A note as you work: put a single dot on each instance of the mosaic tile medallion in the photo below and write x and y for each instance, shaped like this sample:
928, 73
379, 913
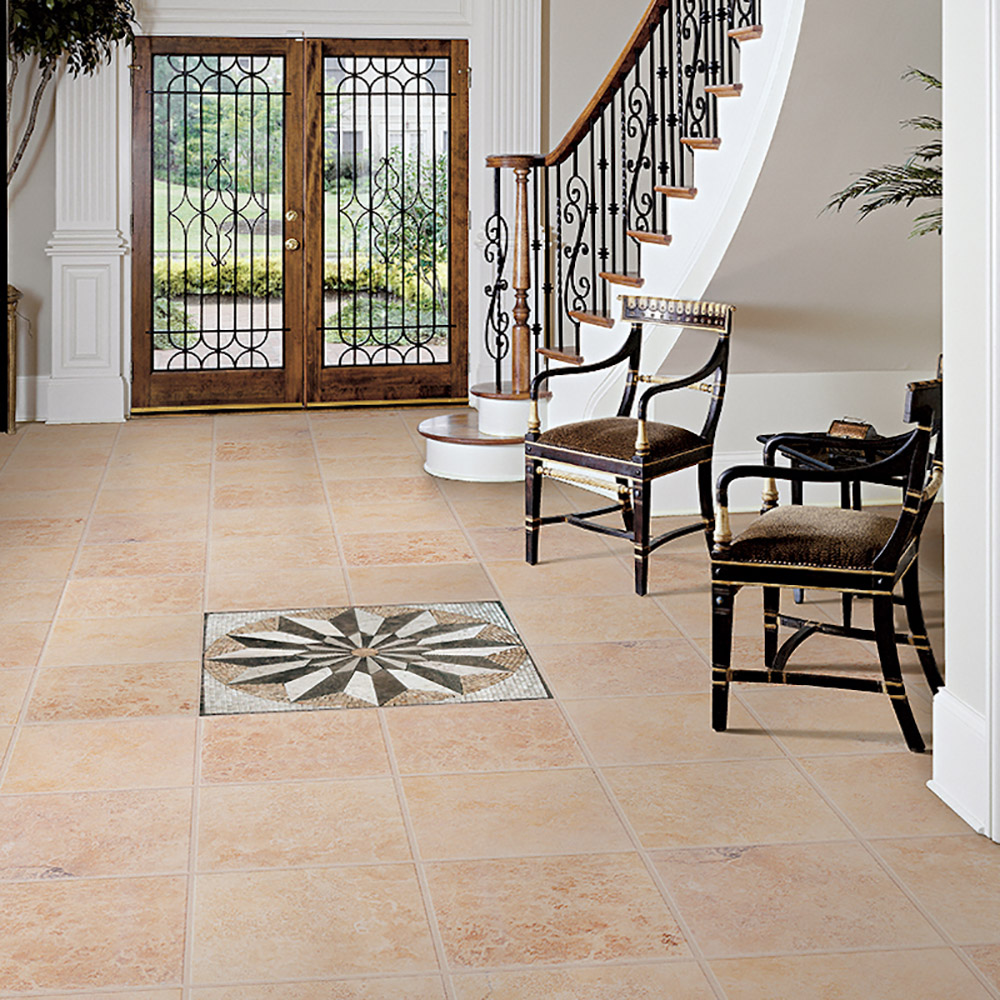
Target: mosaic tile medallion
363, 657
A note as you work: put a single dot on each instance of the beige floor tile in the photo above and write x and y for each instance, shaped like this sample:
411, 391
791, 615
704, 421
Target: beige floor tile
16, 503
81, 642
53, 456
88, 834
557, 543
673, 980
284, 449
506, 512
335, 823
153, 499
65, 476
280, 522
501, 815
39, 436
36, 562
6, 736
41, 530
373, 466
427, 583
885, 795
253, 426
826, 721
588, 619
497, 736
987, 959
653, 666
720, 804
424, 516
926, 974
956, 878
278, 473
527, 911
152, 451
250, 496
393, 548
89, 756
279, 746
336, 424
692, 612
288, 588
139, 994
124, 475
402, 988
272, 553
131, 559
29, 600
799, 897
309, 923
402, 490
594, 575
660, 728
116, 691
13, 688
482, 493
133, 597
69, 934
360, 448
22, 643
172, 527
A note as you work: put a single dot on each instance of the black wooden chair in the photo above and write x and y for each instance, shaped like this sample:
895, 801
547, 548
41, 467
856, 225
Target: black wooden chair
867, 552
630, 451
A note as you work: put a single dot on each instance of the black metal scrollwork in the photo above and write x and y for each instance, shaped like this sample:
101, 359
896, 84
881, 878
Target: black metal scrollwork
497, 318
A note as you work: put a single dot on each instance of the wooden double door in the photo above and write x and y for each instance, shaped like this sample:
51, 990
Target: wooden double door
300, 222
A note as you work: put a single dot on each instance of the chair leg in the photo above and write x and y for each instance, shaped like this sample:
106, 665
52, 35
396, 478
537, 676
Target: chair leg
798, 594
885, 638
772, 604
847, 608
640, 534
532, 509
706, 501
628, 518
915, 619
722, 650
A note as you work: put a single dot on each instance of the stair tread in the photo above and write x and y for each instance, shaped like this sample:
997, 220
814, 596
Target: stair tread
746, 34
593, 319
570, 359
462, 428
661, 239
676, 192
488, 390
631, 278
725, 89
701, 142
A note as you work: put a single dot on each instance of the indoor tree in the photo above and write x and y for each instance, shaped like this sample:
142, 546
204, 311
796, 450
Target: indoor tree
78, 33
918, 177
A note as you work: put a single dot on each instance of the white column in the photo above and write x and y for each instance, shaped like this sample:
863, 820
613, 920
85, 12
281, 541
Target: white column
967, 709
88, 249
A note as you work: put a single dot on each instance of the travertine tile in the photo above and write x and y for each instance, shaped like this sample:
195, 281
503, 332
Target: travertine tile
925, 974
126, 753
87, 834
80, 642
127, 475
498, 736
594, 575
669, 727
402, 988
956, 878
126, 528
987, 959
272, 553
444, 583
34, 504
154, 499
499, 815
580, 619
333, 743
422, 516
640, 667
130, 559
791, 897
406, 547
557, 543
251, 496
36, 562
527, 911
68, 475
22, 643
133, 596
290, 588
71, 934
335, 822
29, 600
309, 923
673, 980
13, 688
885, 795
715, 804
41, 530
402, 490
283, 522
116, 691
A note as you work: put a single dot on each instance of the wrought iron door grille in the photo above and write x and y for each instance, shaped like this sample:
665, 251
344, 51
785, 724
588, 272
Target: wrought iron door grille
386, 210
218, 125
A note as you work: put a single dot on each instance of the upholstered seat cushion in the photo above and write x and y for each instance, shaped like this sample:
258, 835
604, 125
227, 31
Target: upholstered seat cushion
813, 536
614, 437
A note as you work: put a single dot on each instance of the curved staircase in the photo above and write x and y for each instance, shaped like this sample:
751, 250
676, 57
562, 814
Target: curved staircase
585, 214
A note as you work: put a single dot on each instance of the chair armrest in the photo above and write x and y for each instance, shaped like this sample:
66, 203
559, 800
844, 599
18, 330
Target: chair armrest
786, 444
707, 369
622, 354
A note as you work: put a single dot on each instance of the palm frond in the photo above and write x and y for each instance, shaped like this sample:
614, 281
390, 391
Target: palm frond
928, 222
927, 79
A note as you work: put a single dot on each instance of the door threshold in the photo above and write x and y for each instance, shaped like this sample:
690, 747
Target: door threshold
143, 411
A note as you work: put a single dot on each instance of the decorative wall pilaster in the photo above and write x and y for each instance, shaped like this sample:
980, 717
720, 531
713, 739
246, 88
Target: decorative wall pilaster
88, 250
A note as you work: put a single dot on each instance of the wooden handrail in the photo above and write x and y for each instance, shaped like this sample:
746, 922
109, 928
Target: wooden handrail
605, 93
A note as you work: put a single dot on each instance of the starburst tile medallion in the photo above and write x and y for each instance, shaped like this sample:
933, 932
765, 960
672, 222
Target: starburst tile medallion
274, 661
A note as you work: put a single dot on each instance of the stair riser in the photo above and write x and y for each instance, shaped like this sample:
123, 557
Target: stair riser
475, 463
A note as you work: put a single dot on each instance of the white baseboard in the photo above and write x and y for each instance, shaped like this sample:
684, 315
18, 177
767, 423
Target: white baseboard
32, 402
99, 399
961, 760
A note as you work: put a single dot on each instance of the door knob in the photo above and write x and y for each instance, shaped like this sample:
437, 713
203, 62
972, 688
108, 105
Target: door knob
291, 244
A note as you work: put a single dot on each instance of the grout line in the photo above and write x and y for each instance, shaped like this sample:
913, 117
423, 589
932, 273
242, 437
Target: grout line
36, 668
418, 862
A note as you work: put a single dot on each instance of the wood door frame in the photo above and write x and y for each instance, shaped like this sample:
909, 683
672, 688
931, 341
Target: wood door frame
250, 387
342, 385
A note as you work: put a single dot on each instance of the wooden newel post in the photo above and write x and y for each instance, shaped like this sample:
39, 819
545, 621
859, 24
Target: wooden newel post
521, 283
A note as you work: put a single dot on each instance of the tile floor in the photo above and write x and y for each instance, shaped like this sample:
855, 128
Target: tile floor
605, 844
